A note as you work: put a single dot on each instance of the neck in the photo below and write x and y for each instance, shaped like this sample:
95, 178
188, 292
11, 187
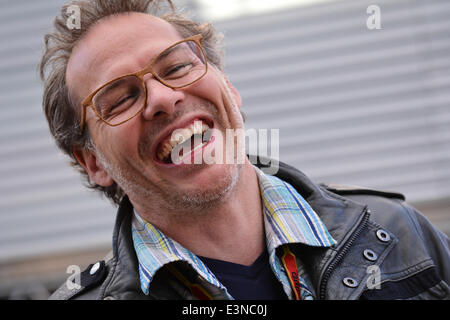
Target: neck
232, 230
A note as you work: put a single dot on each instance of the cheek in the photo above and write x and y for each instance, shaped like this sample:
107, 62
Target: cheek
118, 143
223, 95
213, 89
126, 143
208, 88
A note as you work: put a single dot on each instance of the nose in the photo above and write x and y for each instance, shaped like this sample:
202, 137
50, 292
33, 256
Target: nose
160, 99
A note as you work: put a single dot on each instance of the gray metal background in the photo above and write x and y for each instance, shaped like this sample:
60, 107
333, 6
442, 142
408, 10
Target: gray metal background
358, 106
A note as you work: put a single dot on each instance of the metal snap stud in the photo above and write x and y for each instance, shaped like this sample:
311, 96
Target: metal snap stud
94, 268
370, 255
350, 282
383, 235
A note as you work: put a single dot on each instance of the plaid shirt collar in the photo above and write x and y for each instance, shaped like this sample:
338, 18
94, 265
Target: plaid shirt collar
288, 218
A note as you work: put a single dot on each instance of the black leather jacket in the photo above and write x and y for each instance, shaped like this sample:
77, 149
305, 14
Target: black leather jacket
386, 250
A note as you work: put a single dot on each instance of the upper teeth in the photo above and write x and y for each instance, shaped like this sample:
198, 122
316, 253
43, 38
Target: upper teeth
180, 135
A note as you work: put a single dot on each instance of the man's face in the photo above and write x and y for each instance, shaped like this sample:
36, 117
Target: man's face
128, 153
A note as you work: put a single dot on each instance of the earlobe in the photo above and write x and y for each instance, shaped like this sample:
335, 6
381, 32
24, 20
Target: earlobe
89, 161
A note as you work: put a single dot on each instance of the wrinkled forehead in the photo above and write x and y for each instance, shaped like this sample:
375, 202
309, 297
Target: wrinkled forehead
115, 46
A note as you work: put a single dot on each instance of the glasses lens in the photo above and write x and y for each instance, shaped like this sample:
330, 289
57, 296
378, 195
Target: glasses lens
120, 100
180, 65
177, 67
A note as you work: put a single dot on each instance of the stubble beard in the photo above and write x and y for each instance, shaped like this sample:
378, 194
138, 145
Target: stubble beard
165, 198
200, 200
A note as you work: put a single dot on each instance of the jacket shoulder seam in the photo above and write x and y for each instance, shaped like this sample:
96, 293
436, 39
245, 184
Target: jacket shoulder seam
414, 221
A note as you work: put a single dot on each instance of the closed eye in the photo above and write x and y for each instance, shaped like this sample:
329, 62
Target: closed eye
123, 103
179, 70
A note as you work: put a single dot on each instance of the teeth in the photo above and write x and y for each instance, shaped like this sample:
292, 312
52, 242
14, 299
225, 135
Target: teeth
186, 133
196, 127
167, 147
178, 136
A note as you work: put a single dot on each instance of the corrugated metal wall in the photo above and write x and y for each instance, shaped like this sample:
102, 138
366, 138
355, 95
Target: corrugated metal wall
359, 106
43, 206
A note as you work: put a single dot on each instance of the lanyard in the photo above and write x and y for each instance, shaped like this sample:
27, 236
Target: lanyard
196, 290
290, 265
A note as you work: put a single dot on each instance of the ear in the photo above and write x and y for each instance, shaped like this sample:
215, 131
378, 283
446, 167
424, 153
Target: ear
89, 161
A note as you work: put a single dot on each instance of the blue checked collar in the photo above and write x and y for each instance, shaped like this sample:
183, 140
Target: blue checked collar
154, 250
288, 218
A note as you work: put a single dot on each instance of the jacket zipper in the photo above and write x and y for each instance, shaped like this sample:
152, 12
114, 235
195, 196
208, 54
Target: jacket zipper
342, 253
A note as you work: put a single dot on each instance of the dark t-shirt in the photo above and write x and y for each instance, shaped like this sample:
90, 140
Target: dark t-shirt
254, 282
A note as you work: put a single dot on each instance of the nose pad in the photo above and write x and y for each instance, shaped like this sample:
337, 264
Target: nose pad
160, 99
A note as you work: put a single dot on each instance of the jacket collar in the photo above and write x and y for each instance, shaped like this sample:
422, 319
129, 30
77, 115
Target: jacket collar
339, 215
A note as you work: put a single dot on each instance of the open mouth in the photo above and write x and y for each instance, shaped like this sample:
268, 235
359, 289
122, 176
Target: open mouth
182, 141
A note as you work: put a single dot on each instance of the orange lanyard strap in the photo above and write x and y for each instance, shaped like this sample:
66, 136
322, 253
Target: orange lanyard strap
196, 290
290, 265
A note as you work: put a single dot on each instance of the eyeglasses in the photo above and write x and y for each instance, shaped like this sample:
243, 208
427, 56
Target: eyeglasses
123, 98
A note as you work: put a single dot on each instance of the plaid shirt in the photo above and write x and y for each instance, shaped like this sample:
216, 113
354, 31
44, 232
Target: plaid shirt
288, 218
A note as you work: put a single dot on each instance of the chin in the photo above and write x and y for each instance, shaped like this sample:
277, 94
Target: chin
209, 190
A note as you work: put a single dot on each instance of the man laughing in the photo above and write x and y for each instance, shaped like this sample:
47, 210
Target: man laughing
134, 98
